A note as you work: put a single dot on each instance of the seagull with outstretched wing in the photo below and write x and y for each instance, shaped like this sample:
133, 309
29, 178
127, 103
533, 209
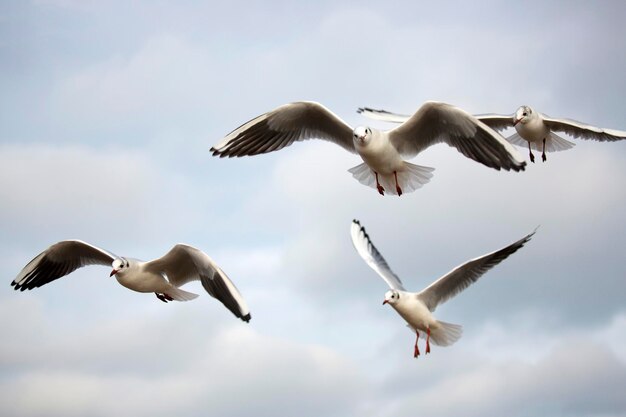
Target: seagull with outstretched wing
534, 129
383, 152
162, 276
416, 307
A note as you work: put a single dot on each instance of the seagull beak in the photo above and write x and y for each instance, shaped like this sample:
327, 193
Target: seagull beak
385, 302
113, 272
516, 121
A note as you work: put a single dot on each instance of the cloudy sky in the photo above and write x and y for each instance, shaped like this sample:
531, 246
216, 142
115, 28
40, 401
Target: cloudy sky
107, 113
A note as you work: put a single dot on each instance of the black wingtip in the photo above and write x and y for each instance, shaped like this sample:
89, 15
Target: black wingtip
360, 110
246, 318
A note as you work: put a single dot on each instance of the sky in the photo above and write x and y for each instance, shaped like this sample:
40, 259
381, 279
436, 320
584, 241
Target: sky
108, 111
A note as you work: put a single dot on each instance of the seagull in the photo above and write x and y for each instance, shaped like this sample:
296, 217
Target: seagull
162, 276
533, 129
416, 307
383, 152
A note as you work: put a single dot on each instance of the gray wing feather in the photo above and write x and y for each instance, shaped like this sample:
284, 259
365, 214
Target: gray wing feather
583, 131
367, 250
464, 275
184, 263
496, 121
440, 122
59, 260
283, 126
384, 115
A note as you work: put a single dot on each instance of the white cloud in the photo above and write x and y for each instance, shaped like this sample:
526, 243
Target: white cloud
86, 193
176, 362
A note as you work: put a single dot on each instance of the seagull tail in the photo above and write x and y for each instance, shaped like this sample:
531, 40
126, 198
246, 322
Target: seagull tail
516, 139
181, 295
410, 178
554, 143
445, 334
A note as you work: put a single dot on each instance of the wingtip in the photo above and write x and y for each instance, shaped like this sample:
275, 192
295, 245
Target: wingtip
247, 318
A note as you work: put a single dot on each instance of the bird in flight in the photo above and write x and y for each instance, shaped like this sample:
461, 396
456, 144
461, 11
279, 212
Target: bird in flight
383, 152
533, 129
162, 276
416, 308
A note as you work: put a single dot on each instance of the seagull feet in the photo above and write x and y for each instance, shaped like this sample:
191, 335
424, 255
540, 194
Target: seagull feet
379, 187
428, 342
543, 151
398, 189
543, 157
416, 350
532, 158
163, 297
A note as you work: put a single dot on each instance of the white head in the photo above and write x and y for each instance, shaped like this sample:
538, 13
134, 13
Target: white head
391, 297
523, 115
361, 135
120, 265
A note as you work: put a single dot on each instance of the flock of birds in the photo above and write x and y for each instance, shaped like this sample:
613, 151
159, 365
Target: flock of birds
384, 167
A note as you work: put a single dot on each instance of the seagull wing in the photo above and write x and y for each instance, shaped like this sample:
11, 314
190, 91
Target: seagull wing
440, 122
384, 115
582, 130
496, 121
184, 263
464, 275
59, 260
282, 127
367, 250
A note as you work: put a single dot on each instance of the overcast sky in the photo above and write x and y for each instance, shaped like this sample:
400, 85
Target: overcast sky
107, 114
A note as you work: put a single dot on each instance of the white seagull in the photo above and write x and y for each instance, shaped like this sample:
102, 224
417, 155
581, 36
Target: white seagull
162, 276
383, 152
416, 307
534, 129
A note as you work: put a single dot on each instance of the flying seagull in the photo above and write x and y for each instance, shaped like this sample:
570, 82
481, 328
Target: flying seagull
383, 152
534, 129
162, 276
416, 307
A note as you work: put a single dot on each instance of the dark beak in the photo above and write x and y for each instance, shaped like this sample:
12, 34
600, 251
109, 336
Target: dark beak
113, 272
385, 302
516, 122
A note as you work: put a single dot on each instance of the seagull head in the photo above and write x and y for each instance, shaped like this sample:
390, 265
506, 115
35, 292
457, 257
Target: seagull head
361, 135
119, 265
522, 115
391, 297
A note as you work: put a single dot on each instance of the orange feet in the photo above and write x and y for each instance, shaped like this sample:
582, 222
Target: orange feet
398, 189
416, 351
379, 187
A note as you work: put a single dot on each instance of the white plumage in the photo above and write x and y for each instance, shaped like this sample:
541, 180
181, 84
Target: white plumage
416, 307
382, 152
534, 130
162, 276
